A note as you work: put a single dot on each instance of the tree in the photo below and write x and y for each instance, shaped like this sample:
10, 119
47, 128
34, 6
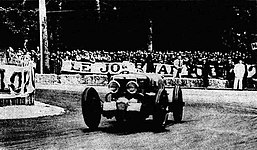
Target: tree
20, 21
240, 34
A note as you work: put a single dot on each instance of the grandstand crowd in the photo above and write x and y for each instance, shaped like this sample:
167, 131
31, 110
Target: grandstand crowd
140, 56
221, 61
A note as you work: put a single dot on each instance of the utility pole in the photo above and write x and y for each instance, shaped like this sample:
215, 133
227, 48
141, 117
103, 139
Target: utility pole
150, 37
43, 45
98, 8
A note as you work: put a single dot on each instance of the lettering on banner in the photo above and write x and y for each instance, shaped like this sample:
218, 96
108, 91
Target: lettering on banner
155, 68
112, 68
15, 81
83, 67
19, 81
33, 80
28, 81
75, 66
171, 69
163, 70
115, 69
86, 67
106, 69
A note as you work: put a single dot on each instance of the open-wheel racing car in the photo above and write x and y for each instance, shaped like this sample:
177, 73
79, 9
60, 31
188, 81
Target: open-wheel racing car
133, 97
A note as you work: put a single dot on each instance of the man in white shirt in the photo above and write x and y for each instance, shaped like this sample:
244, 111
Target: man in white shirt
239, 71
177, 67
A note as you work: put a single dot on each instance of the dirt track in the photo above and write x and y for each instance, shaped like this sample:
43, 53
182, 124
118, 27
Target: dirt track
206, 125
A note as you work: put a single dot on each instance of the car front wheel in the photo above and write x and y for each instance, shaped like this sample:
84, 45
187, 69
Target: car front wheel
91, 107
160, 110
177, 104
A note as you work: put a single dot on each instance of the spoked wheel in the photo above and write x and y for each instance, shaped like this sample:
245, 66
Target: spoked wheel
91, 107
177, 104
160, 111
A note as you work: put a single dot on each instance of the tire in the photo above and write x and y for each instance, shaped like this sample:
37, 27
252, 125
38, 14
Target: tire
160, 112
177, 104
91, 108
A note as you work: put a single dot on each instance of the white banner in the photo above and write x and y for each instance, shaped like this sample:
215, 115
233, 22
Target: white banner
97, 68
118, 67
16, 79
114, 67
166, 69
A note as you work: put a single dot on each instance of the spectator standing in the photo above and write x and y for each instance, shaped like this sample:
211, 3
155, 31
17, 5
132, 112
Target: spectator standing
190, 67
245, 79
205, 72
254, 77
149, 64
177, 67
58, 64
239, 71
52, 62
219, 68
198, 68
36, 59
9, 54
229, 68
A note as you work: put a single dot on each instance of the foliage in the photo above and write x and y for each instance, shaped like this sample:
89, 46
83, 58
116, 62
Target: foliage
241, 32
19, 20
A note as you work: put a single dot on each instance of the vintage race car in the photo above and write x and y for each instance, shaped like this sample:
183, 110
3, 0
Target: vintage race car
133, 97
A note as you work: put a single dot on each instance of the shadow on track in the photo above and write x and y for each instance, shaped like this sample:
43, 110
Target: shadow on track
126, 128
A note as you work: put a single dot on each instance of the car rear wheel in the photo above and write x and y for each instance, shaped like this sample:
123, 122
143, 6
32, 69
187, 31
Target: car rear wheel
160, 110
177, 104
91, 108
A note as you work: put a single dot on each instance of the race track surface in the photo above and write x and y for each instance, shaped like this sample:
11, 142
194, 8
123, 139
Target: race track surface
220, 120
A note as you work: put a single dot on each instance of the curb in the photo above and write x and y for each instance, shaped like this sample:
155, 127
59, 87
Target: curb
33, 111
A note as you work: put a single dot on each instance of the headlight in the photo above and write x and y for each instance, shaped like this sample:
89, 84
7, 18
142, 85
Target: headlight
114, 86
132, 87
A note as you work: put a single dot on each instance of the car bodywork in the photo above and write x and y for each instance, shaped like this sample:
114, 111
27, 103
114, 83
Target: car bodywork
133, 97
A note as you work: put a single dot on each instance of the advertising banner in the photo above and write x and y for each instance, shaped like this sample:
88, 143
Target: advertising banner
118, 67
166, 69
97, 68
114, 67
17, 80
17, 85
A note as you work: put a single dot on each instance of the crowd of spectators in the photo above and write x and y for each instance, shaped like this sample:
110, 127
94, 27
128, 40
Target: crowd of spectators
20, 56
140, 56
221, 61
191, 58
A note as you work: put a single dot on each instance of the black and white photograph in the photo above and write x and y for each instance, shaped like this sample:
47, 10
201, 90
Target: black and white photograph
128, 74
